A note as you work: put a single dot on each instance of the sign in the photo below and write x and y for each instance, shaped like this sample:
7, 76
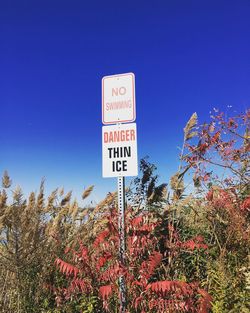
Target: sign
119, 150
118, 98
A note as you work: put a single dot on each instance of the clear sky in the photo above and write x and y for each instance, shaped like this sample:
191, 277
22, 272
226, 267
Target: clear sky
186, 55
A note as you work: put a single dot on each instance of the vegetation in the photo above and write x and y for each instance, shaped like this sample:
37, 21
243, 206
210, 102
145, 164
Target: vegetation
187, 243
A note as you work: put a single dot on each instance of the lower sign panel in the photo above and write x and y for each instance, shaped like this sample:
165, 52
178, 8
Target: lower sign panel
119, 150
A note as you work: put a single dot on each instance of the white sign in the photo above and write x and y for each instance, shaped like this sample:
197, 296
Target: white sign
119, 150
118, 98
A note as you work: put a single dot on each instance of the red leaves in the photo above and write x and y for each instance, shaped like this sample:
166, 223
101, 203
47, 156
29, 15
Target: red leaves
166, 286
154, 261
161, 287
219, 198
195, 243
111, 273
202, 148
149, 266
137, 302
145, 229
209, 195
81, 285
97, 269
204, 301
101, 261
137, 221
245, 206
216, 137
66, 268
141, 235
182, 293
84, 253
232, 123
224, 143
105, 291
147, 274
101, 238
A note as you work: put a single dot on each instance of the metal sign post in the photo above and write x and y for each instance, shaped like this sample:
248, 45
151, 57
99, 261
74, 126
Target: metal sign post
122, 245
119, 149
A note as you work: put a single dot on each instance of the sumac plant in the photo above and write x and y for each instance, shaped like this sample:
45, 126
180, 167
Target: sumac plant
221, 163
169, 266
94, 270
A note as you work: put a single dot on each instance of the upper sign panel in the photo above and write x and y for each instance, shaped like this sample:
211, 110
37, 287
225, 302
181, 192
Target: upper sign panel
118, 98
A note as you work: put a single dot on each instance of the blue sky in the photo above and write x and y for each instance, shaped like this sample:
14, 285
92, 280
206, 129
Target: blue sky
187, 56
